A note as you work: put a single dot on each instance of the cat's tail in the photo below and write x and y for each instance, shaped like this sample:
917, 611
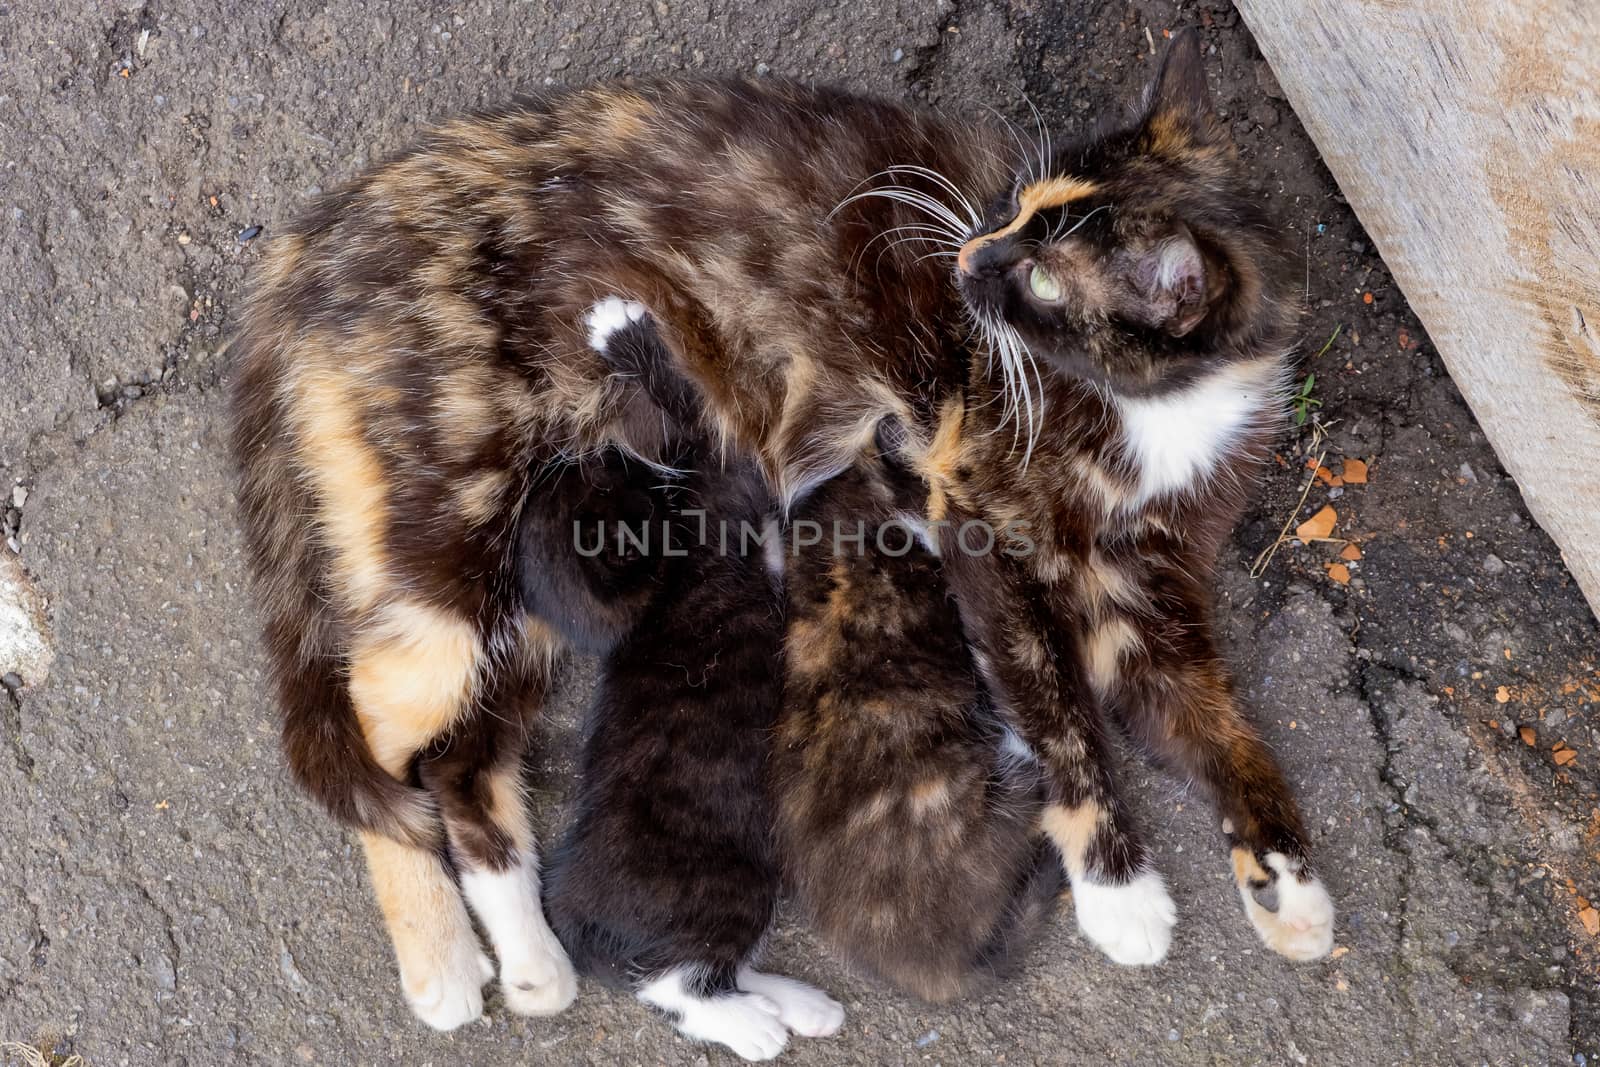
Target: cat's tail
329, 758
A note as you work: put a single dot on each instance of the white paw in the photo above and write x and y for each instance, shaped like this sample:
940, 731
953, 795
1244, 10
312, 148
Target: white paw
540, 982
804, 1009
1131, 923
1302, 926
451, 995
748, 1023
608, 316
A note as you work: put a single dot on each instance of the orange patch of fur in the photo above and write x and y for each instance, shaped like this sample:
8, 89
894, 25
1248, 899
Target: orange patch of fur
411, 680
1072, 830
1034, 198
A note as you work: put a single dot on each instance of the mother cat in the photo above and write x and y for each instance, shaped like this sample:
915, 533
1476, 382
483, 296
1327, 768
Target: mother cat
415, 348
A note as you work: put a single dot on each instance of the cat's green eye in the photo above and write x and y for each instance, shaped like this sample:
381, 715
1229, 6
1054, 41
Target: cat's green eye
1043, 286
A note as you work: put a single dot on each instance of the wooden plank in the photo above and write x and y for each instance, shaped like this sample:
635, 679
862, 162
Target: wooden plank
1467, 137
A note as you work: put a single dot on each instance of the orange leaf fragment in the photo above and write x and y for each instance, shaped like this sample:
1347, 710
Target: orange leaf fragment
1590, 920
1341, 950
1565, 756
1527, 735
1352, 552
1502, 695
1354, 472
1366, 298
1318, 525
1339, 573
1324, 475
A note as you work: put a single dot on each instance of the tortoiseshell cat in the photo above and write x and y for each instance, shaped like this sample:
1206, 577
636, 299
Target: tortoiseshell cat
666, 879
1165, 338
414, 352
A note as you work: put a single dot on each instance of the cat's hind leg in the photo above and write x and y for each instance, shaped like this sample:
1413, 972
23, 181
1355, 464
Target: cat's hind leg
476, 774
442, 968
409, 684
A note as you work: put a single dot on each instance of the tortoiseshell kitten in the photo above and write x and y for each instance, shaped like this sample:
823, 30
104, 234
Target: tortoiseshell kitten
908, 814
414, 352
666, 879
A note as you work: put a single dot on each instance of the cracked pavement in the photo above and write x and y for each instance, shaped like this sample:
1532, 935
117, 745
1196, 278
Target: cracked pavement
167, 898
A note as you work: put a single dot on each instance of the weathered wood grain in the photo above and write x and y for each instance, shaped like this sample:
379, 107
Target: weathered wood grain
1467, 137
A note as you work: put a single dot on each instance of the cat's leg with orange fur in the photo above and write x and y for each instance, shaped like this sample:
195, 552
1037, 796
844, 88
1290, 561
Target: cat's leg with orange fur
411, 681
476, 775
1120, 898
1172, 690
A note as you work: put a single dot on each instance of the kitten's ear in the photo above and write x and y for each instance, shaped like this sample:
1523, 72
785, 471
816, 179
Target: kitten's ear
1173, 285
1178, 113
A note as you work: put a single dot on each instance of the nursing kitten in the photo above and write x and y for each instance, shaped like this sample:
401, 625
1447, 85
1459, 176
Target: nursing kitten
908, 820
665, 881
414, 353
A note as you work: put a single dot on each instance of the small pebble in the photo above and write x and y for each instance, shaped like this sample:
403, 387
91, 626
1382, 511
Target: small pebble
19, 496
248, 234
1469, 475
927, 1039
184, 238
561, 61
897, 55
1173, 1035
1555, 717
762, 70
1493, 564
12, 681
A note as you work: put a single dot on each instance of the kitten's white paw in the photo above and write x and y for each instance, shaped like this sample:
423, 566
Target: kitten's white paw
1301, 928
747, 1023
1131, 923
450, 994
539, 982
608, 316
804, 1009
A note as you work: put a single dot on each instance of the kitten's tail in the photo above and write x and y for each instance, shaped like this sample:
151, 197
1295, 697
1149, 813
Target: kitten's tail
1037, 890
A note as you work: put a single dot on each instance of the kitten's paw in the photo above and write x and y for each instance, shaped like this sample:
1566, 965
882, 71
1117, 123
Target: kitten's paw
1131, 923
1288, 906
608, 316
539, 982
748, 1023
450, 994
804, 1009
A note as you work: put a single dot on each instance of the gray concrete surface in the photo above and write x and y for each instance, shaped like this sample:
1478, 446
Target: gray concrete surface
167, 898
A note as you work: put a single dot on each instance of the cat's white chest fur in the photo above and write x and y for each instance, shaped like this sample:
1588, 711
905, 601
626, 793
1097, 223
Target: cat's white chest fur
1178, 441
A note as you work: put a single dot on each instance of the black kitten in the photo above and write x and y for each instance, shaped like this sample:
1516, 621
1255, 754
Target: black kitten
667, 879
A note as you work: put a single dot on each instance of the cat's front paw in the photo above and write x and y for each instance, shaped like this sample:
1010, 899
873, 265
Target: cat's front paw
447, 991
1287, 904
610, 316
1132, 922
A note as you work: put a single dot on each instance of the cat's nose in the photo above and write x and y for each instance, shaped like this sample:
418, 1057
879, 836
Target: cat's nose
986, 256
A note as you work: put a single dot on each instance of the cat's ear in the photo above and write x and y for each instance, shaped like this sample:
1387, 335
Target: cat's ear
1172, 283
1178, 115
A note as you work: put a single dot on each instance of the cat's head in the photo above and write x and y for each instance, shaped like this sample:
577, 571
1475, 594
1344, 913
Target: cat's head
1138, 258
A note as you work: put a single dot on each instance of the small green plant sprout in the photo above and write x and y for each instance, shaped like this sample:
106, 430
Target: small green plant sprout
1304, 402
